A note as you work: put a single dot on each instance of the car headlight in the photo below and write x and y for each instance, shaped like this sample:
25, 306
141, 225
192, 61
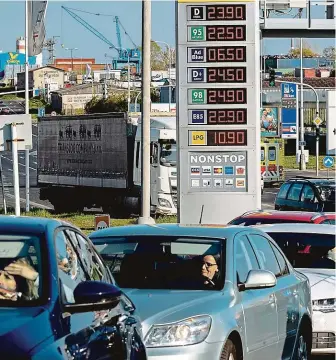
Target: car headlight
185, 332
324, 305
164, 203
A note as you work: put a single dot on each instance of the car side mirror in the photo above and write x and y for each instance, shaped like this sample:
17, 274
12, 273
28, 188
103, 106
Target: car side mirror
94, 296
259, 279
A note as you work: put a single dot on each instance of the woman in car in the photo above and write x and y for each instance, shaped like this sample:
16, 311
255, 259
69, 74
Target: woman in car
19, 281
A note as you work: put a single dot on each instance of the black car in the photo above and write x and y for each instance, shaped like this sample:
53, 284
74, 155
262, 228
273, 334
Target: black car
306, 194
57, 298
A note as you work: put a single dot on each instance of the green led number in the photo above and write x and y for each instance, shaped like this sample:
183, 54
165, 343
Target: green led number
197, 33
197, 96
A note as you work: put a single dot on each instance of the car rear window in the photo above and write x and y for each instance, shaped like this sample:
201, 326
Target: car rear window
307, 250
167, 262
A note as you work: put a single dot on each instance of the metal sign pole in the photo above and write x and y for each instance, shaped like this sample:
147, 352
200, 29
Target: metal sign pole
317, 151
15, 169
3, 187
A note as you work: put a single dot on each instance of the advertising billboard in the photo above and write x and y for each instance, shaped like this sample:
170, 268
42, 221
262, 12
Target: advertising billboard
269, 122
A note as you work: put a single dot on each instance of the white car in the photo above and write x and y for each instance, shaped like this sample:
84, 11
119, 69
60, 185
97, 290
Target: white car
310, 248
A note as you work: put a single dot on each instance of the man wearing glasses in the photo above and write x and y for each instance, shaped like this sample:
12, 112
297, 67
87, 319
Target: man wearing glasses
209, 271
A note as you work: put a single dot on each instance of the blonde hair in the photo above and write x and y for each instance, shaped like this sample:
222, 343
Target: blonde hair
29, 289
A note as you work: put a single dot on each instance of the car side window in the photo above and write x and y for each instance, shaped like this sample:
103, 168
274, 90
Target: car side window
245, 258
307, 193
92, 263
294, 192
265, 253
283, 191
281, 261
70, 272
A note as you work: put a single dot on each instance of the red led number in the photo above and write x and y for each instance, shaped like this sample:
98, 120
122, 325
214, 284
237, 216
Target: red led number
226, 12
226, 96
225, 32
227, 138
223, 75
227, 116
226, 53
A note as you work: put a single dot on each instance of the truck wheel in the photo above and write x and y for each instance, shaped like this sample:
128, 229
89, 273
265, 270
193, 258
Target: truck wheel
230, 352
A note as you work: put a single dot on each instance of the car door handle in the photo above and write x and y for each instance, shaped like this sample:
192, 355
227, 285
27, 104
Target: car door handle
271, 300
295, 293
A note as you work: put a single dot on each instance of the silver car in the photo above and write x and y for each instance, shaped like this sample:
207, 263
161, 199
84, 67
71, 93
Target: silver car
311, 249
208, 292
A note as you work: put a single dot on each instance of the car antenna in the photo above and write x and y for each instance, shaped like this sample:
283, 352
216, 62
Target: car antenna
200, 221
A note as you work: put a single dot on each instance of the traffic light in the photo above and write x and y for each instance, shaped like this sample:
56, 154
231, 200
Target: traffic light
271, 80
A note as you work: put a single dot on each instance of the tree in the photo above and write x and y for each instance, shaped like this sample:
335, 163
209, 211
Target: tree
160, 57
329, 52
306, 52
116, 102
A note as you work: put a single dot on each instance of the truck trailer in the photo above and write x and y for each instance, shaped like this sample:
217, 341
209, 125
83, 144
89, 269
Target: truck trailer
94, 161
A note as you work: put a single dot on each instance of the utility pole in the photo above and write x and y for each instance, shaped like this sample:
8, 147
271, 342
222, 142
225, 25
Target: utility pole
71, 54
50, 46
27, 15
145, 217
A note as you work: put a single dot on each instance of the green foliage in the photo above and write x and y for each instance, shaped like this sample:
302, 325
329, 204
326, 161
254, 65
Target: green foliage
116, 102
160, 57
306, 52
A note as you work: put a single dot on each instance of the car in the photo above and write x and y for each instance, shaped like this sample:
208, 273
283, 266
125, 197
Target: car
306, 194
258, 217
311, 250
207, 292
57, 299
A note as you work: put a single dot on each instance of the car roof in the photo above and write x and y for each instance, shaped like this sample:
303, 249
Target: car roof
315, 181
298, 228
29, 224
276, 214
220, 231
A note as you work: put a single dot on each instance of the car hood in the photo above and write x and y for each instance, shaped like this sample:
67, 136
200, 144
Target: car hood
164, 306
22, 329
322, 282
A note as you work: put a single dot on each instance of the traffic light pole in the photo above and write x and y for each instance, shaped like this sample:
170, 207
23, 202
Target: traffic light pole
302, 123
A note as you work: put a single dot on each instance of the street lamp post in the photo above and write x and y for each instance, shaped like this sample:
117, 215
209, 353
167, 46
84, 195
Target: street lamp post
169, 74
128, 76
71, 51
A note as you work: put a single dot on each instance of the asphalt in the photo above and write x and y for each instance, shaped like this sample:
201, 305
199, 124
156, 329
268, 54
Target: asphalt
7, 164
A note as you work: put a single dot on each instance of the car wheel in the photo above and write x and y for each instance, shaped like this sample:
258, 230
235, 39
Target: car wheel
302, 349
230, 352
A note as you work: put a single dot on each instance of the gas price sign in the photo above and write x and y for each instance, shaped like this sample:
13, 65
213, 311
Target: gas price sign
218, 109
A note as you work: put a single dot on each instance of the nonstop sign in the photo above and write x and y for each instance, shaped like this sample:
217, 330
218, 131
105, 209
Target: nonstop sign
218, 109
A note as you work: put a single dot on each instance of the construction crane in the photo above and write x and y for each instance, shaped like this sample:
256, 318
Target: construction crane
133, 54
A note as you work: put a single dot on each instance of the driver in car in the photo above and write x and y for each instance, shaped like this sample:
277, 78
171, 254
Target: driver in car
209, 271
19, 280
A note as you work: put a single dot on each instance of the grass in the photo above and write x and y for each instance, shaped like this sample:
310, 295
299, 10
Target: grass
86, 221
290, 163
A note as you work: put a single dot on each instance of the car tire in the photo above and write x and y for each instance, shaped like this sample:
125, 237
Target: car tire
302, 350
230, 351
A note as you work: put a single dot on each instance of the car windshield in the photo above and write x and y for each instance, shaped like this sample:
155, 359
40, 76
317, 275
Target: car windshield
307, 250
168, 154
259, 221
20, 268
151, 262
